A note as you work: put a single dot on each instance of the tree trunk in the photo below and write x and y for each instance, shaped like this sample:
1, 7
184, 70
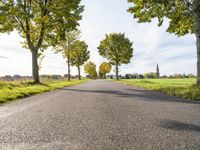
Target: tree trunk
198, 57
68, 66
35, 67
79, 73
196, 12
117, 70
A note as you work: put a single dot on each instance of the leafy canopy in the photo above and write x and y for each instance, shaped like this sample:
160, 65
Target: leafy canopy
40, 22
65, 46
105, 68
116, 48
178, 12
79, 54
90, 68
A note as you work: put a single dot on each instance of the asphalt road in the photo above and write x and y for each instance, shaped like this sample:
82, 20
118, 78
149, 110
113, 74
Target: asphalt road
100, 115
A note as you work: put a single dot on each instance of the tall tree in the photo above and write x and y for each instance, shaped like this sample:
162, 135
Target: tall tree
117, 49
64, 46
39, 22
183, 16
104, 69
79, 55
90, 68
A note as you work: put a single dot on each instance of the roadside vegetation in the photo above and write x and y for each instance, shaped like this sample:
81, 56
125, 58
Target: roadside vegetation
12, 90
183, 88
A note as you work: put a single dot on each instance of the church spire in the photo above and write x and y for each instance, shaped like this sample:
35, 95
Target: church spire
157, 71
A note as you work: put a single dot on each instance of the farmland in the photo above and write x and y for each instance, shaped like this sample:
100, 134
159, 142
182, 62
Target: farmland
183, 88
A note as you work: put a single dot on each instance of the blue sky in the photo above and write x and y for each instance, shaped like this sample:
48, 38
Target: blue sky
152, 45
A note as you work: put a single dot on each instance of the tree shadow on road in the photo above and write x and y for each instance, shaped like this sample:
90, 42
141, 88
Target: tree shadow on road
180, 126
140, 94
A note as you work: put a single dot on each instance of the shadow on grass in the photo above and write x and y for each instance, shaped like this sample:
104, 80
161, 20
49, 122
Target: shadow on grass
180, 126
140, 94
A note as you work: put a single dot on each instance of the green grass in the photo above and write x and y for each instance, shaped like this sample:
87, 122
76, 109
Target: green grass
183, 88
12, 90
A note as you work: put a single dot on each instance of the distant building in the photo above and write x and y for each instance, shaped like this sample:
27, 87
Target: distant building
157, 71
76, 76
7, 77
112, 76
87, 76
66, 76
55, 76
17, 76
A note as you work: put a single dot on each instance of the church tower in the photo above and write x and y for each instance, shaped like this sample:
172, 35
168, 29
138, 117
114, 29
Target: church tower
157, 71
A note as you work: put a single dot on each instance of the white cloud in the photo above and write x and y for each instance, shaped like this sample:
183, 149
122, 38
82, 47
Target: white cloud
152, 44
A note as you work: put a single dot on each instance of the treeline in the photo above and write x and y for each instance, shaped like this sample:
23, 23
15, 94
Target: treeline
154, 76
46, 24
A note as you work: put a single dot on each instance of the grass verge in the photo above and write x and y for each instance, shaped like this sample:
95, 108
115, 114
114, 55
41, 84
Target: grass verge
12, 90
183, 88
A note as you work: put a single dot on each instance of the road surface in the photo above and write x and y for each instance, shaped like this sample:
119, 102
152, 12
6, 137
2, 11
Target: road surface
100, 115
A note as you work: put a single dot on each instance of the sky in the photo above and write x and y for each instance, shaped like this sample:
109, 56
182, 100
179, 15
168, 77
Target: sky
152, 44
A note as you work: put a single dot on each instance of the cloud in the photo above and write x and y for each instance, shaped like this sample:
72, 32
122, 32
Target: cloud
13, 48
4, 57
152, 44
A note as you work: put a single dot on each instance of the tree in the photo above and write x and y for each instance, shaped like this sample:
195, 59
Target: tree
104, 69
101, 76
39, 23
183, 16
64, 46
90, 68
117, 49
151, 75
79, 55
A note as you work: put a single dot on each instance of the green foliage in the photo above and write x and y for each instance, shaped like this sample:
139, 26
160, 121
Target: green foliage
178, 12
101, 76
134, 76
104, 69
64, 46
11, 90
90, 69
150, 75
117, 49
184, 88
39, 21
79, 54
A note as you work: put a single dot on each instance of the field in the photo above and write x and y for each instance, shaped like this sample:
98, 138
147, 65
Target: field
12, 90
183, 88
